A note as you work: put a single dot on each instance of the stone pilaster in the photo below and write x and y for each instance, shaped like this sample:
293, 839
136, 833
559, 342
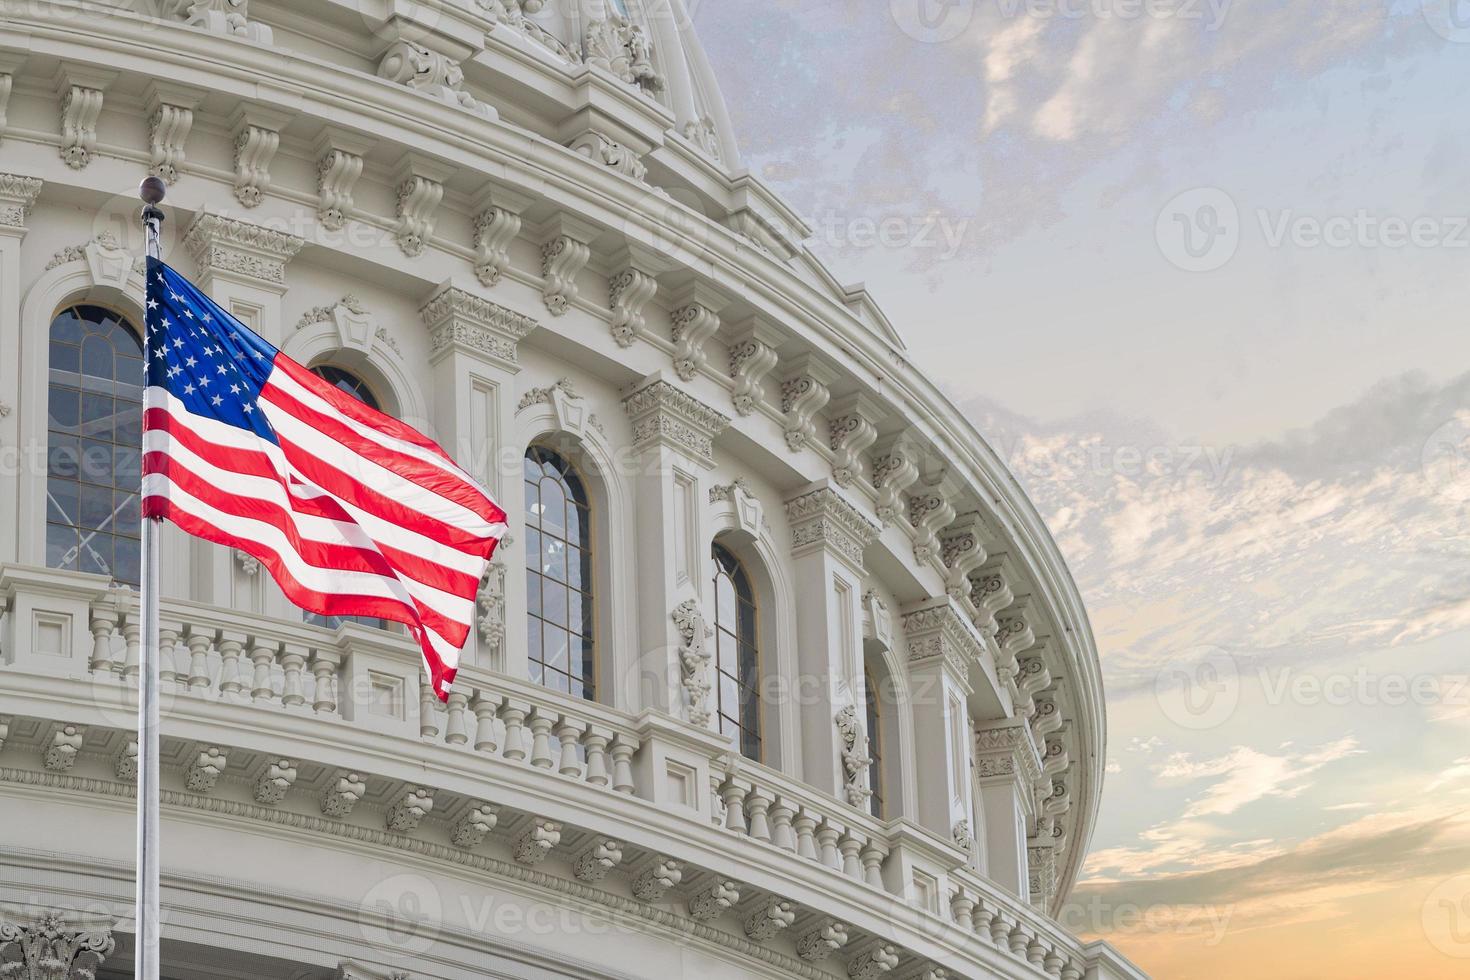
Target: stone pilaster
17, 196
1006, 770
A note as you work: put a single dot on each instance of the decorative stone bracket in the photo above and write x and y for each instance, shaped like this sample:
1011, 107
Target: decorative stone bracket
851, 423
420, 189
752, 356
81, 91
804, 393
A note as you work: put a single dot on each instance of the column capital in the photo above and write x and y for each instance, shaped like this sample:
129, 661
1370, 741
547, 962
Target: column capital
664, 415
458, 320
1005, 751
50, 942
939, 632
823, 518
17, 196
241, 250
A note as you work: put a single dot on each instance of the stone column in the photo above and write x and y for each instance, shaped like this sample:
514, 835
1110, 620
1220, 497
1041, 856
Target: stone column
1006, 769
942, 647
54, 945
17, 195
828, 537
242, 267
673, 443
473, 354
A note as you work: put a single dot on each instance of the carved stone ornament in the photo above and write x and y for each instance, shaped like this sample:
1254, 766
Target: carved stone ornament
618, 46
278, 776
714, 901
963, 839
769, 917
628, 293
227, 17
702, 133
874, 963
418, 203
824, 519
562, 259
51, 948
855, 757
432, 73
653, 884
694, 659
929, 512
663, 414
604, 150
894, 472
80, 107
411, 806
938, 631
694, 324
473, 826
821, 942
597, 859
537, 841
460, 320
342, 793
229, 245
17, 196
491, 599
751, 359
495, 229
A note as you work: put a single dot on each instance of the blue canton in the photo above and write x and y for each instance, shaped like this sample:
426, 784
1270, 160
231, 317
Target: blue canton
207, 359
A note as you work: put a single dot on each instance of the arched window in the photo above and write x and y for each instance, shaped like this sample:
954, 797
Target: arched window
357, 388
559, 640
737, 657
874, 721
94, 438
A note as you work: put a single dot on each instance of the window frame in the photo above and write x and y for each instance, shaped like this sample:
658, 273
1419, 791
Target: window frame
577, 492
757, 665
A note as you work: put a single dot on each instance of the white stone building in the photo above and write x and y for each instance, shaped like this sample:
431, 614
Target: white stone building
780, 674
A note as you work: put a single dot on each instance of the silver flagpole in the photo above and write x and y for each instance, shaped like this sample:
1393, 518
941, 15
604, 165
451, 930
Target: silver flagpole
145, 962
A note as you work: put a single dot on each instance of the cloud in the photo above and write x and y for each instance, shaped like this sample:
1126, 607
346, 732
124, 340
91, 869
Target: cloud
1245, 775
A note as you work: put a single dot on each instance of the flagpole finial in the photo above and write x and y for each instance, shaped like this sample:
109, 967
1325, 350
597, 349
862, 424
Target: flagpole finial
152, 190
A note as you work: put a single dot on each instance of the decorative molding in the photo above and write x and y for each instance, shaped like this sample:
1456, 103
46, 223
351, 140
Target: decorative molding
59, 752
604, 150
653, 883
278, 776
81, 90
562, 258
474, 825
823, 518
410, 807
989, 593
804, 393
693, 324
337, 173
420, 189
1005, 751
168, 131
249, 564
855, 758
229, 245
817, 944
929, 511
769, 917
963, 838
961, 552
665, 415
205, 769
936, 629
874, 963
752, 357
618, 46
495, 229
432, 73
537, 841
545, 396
703, 134
17, 196
628, 293
460, 320
342, 793
50, 947
599, 857
491, 602
1041, 873
877, 620
257, 138
852, 429
895, 469
226, 17
694, 658
105, 241
714, 900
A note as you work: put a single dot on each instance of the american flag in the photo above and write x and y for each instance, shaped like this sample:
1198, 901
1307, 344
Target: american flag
353, 512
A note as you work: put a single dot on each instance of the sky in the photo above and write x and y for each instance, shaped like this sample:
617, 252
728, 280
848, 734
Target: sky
1197, 269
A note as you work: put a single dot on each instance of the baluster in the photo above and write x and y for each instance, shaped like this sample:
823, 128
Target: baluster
454, 727
324, 666
104, 628
293, 662
716, 800
513, 713
485, 706
756, 805
733, 796
623, 748
1020, 938
595, 744
428, 711
850, 845
541, 722
231, 648
781, 833
200, 642
169, 675
874, 854
570, 733
262, 655
805, 824
984, 915
132, 632
827, 835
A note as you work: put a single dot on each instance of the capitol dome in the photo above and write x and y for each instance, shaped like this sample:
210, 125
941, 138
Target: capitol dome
778, 673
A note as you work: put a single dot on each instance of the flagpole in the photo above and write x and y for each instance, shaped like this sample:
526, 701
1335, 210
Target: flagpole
145, 961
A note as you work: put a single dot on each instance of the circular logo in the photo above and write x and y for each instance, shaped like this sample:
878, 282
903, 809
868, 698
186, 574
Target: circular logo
1446, 459
117, 227
1202, 691
402, 913
668, 220
1450, 19
932, 21
1199, 231
1446, 917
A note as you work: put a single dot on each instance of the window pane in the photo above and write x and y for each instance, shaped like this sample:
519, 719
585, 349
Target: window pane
554, 603
59, 544
533, 592
556, 553
554, 649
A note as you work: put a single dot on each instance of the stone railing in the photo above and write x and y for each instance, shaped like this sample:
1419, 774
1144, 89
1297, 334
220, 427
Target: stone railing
75, 643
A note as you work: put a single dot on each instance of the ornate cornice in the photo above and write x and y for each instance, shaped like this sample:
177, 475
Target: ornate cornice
459, 320
17, 196
665, 415
937, 629
824, 519
1004, 751
229, 245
